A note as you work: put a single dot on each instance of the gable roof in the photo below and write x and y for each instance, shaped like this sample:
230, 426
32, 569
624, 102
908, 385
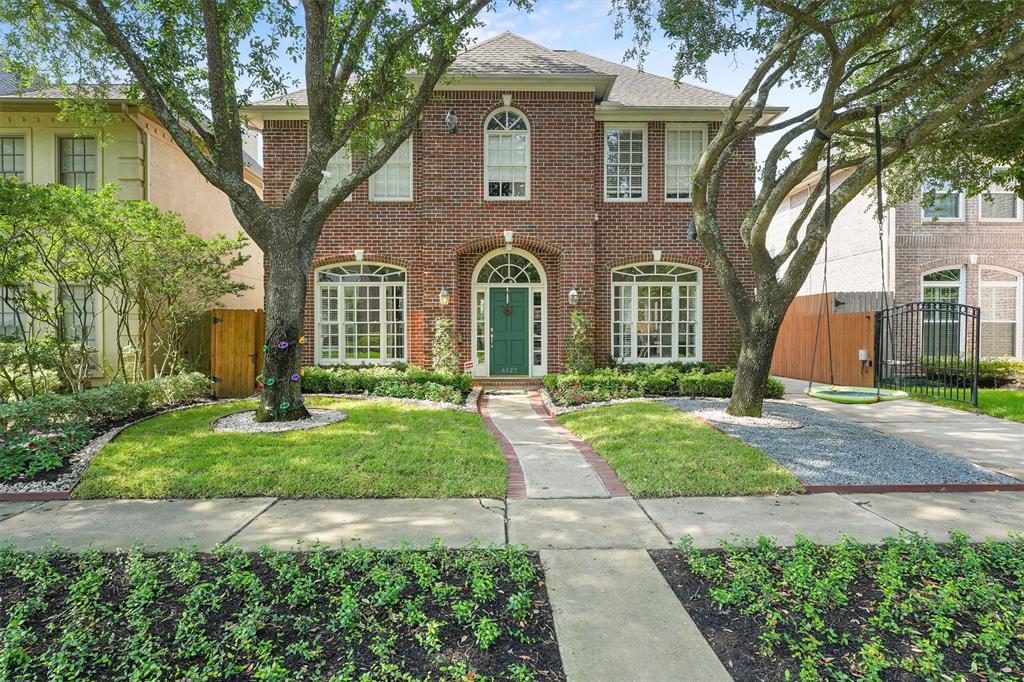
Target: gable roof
510, 55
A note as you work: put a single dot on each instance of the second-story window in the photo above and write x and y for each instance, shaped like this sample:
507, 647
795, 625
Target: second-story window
393, 182
1001, 203
507, 156
12, 157
338, 168
947, 203
625, 162
78, 162
684, 146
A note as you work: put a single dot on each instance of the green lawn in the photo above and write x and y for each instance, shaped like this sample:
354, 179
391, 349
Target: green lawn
1004, 403
384, 449
658, 451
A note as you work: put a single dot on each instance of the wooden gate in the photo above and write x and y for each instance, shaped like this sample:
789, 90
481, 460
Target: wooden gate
236, 340
851, 334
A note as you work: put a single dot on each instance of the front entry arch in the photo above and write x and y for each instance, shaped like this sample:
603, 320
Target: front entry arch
509, 315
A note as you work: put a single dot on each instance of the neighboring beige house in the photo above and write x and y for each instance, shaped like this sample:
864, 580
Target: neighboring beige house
137, 153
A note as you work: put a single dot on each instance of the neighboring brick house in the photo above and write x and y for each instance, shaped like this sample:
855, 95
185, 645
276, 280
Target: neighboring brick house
554, 190
958, 249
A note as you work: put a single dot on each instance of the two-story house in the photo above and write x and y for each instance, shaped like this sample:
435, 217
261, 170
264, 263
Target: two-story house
954, 248
536, 180
136, 152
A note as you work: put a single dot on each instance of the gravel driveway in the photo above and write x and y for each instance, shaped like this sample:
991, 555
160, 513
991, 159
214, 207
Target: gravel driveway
830, 451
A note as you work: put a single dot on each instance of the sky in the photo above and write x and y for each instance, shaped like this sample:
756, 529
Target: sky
585, 25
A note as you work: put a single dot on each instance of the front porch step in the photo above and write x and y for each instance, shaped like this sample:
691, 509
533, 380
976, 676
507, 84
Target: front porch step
507, 382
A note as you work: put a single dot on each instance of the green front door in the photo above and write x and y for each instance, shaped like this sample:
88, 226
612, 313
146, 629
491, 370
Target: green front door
510, 332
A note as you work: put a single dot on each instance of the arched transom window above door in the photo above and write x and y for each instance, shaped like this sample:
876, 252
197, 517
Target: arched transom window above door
507, 155
360, 314
509, 268
656, 313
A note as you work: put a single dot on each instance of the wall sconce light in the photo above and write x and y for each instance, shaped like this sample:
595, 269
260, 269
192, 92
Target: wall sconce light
451, 121
692, 234
974, 259
656, 255
445, 296
359, 254
509, 235
574, 296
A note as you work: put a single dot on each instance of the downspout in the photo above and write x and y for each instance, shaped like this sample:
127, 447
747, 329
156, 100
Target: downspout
147, 342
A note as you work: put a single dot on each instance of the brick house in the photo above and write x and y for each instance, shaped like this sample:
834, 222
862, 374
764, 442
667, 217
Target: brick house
956, 248
565, 182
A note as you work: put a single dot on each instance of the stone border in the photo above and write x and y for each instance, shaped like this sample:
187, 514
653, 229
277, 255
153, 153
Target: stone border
467, 405
60, 488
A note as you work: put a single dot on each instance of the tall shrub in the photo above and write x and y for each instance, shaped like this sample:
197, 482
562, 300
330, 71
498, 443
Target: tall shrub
579, 348
446, 341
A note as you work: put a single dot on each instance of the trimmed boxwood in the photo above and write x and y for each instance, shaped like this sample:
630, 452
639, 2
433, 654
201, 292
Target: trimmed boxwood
992, 372
719, 385
39, 433
394, 382
623, 381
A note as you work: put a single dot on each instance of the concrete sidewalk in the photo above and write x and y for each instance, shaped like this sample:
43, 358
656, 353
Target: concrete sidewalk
996, 444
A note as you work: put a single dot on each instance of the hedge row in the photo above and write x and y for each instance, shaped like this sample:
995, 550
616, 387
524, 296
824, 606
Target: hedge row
393, 382
39, 433
696, 379
992, 372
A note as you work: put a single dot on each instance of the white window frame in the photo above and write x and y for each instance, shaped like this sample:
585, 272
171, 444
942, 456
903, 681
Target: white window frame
372, 185
699, 312
487, 153
1018, 342
328, 184
59, 137
676, 127
961, 210
961, 287
342, 359
608, 127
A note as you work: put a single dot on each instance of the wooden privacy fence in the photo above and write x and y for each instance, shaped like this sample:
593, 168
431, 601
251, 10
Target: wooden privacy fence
236, 356
851, 333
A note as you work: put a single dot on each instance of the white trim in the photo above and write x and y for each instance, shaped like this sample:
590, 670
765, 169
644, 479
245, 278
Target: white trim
1018, 342
412, 175
529, 154
961, 297
699, 333
342, 360
604, 160
483, 369
671, 127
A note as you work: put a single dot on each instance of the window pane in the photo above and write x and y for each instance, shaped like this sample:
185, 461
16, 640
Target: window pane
683, 149
951, 275
12, 157
338, 168
625, 166
78, 162
393, 182
999, 206
944, 204
79, 320
10, 322
508, 156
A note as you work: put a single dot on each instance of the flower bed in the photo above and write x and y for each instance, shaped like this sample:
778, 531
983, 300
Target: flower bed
636, 381
40, 434
408, 382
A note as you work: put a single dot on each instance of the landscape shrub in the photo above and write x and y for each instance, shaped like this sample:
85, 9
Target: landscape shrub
571, 393
39, 433
623, 381
579, 348
993, 372
719, 385
395, 381
445, 349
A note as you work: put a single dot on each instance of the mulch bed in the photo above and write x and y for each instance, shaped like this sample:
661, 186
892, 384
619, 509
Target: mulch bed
442, 614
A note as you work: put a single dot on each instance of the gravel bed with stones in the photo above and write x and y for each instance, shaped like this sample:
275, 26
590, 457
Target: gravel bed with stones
830, 451
243, 422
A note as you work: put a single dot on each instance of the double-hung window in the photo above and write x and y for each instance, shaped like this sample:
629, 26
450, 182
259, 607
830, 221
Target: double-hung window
684, 146
1001, 310
77, 162
12, 156
338, 168
656, 313
10, 317
79, 321
360, 314
625, 162
393, 182
941, 201
999, 203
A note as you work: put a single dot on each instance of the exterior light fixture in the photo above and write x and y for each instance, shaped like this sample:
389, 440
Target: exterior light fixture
574, 296
359, 254
509, 234
445, 296
692, 234
451, 121
656, 255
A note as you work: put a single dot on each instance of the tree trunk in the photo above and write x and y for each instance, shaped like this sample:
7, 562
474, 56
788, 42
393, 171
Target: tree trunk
757, 345
283, 342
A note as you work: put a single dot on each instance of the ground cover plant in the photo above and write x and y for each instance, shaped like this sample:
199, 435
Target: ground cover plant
40, 433
908, 609
1005, 403
321, 615
383, 449
400, 381
659, 451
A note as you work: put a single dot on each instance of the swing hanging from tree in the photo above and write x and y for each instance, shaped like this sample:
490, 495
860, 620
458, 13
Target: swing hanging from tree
850, 395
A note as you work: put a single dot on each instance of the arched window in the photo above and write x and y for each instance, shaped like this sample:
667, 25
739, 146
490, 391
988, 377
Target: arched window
507, 155
1001, 304
509, 268
656, 313
360, 313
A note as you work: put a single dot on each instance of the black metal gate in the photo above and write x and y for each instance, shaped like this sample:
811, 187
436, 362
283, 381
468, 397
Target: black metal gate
929, 349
